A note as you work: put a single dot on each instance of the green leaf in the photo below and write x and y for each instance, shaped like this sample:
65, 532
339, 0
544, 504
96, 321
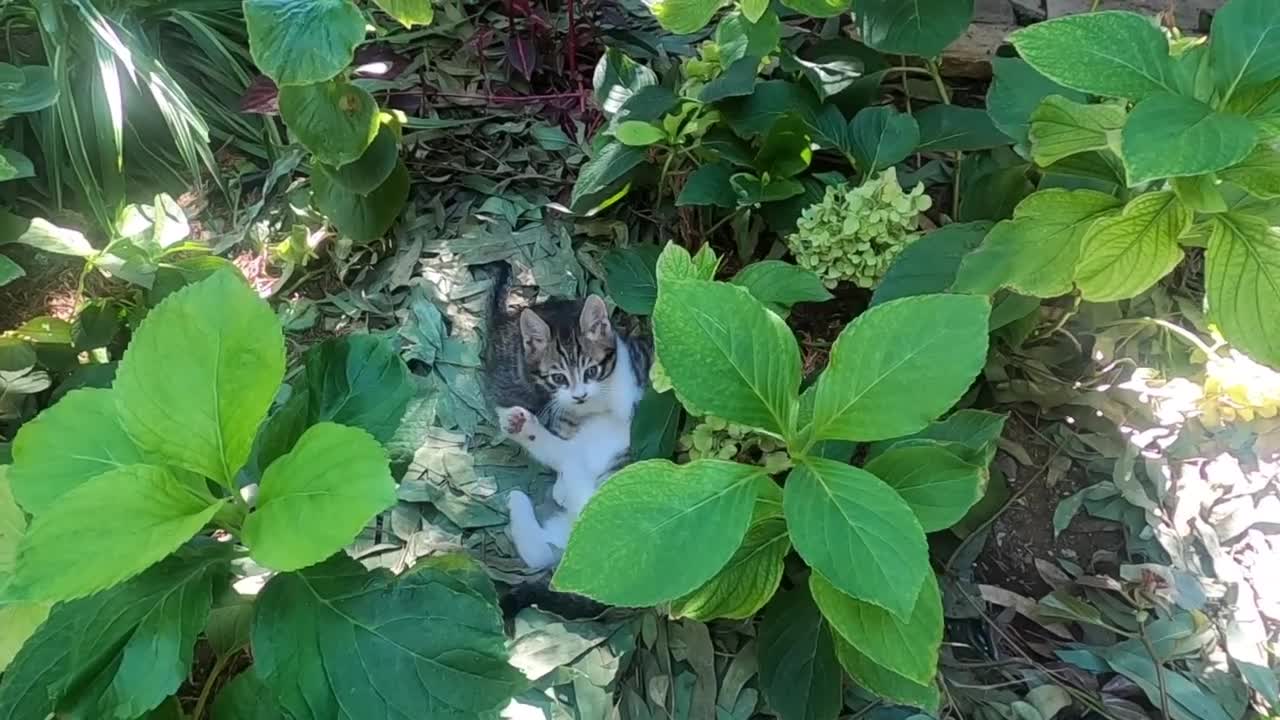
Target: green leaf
899, 365
122, 651
752, 575
929, 265
753, 10
43, 235
1258, 174
300, 42
1036, 252
199, 376
1246, 45
739, 36
1113, 54
884, 683
881, 137
1016, 91
14, 165
939, 486
1243, 284
971, 434
779, 285
921, 27
758, 112
683, 17
316, 499
72, 442
141, 512
246, 698
408, 12
428, 643
1125, 255
1200, 193
1261, 105
638, 134
1174, 136
1061, 128
855, 530
799, 675
655, 426
631, 276
362, 218
9, 271
675, 263
948, 128
819, 8
669, 508
737, 80
618, 77
727, 354
19, 620
709, 185
1185, 698
333, 119
600, 175
26, 89
906, 647
371, 169
785, 151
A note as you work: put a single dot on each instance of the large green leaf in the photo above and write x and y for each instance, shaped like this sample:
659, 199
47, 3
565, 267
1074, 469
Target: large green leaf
1261, 104
338, 642
1243, 284
409, 12
246, 698
655, 426
43, 235
709, 185
617, 78
919, 27
26, 89
632, 277
14, 165
884, 683
779, 285
799, 675
19, 620
1258, 174
819, 8
355, 380
75, 440
1114, 54
141, 512
122, 651
929, 265
1016, 91
949, 128
1061, 128
371, 169
739, 36
880, 137
1125, 255
668, 509
758, 112
299, 42
363, 218
855, 530
752, 575
971, 434
899, 365
316, 499
9, 270
939, 486
199, 376
1246, 45
727, 354
601, 175
333, 119
907, 647
1036, 252
683, 17
1174, 136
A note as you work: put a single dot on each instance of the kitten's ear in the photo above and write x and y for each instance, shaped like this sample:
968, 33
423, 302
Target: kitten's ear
535, 332
594, 321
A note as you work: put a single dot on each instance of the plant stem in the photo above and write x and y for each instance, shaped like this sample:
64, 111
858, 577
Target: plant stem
910, 70
1159, 663
936, 73
218, 667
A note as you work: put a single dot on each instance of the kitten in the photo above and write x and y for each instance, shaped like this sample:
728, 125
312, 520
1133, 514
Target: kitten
565, 384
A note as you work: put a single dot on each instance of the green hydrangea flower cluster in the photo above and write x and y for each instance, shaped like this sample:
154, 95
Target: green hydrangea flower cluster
718, 439
856, 231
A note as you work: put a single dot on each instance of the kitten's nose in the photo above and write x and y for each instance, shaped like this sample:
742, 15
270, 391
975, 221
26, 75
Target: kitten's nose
580, 398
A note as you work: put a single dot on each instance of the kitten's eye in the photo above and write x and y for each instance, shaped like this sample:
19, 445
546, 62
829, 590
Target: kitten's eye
591, 372
560, 380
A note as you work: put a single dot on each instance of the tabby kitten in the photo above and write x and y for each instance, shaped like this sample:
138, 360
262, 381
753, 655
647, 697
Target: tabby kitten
565, 383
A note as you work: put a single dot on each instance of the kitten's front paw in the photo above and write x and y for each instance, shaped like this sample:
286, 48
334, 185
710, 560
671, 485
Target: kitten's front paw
517, 420
560, 492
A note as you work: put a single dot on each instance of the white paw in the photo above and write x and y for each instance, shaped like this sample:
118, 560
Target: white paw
518, 503
518, 423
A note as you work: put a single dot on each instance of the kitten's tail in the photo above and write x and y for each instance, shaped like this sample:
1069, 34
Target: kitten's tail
538, 545
501, 288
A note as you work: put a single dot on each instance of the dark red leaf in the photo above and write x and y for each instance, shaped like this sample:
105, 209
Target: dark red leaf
260, 98
523, 55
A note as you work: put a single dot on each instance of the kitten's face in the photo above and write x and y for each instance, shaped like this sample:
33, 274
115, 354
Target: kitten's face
571, 362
